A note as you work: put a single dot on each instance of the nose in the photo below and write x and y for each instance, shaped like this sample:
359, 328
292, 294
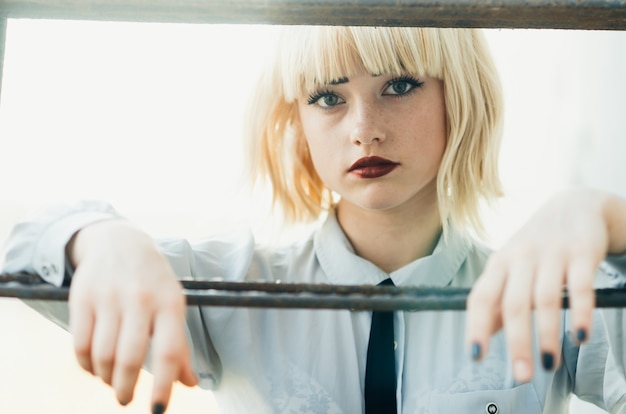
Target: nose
367, 124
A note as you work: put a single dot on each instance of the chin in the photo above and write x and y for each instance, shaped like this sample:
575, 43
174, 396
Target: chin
382, 204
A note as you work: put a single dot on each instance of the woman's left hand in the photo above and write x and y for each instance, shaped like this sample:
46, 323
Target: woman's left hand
561, 246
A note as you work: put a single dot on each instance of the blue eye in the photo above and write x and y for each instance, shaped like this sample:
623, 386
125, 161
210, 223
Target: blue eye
325, 99
402, 86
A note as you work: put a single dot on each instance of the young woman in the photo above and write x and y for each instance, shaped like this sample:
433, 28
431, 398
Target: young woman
392, 134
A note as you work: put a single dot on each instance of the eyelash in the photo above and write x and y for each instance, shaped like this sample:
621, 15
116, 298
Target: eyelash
415, 83
316, 96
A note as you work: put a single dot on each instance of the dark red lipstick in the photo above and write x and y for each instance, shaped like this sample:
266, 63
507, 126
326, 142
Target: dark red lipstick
372, 167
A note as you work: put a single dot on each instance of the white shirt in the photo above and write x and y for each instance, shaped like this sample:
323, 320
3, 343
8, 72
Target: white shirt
313, 361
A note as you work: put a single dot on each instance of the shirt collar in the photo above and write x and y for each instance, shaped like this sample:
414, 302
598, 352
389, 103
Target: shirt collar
344, 267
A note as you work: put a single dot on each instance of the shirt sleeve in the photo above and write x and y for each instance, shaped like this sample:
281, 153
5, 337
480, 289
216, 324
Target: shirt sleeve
601, 366
37, 244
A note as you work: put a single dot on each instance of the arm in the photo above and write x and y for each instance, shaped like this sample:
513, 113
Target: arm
562, 245
123, 293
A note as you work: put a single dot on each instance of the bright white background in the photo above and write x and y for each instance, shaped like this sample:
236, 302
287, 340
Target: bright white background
148, 117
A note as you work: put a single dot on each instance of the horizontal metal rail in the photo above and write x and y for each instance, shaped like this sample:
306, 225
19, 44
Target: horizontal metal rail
565, 14
298, 296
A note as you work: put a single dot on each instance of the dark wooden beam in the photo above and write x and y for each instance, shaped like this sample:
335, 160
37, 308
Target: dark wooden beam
565, 14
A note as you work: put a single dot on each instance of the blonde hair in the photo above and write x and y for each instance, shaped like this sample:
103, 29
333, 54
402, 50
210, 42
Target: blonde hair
308, 57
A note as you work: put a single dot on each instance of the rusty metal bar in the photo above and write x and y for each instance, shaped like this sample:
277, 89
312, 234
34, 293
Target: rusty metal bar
565, 14
298, 296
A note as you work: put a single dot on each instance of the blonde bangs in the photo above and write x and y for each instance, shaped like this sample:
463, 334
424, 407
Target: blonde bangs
314, 56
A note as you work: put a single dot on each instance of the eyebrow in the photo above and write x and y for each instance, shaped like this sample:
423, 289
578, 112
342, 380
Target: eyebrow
346, 80
339, 81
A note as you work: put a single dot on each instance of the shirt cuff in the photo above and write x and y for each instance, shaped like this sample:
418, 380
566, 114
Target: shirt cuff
49, 259
613, 271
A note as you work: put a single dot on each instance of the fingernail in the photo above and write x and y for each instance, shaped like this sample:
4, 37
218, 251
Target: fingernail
581, 335
521, 371
158, 408
476, 351
547, 360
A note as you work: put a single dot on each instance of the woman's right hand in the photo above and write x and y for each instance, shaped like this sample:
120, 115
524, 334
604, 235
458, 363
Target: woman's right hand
124, 293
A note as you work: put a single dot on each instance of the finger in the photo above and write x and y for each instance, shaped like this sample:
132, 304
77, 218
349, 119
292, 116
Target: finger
548, 300
104, 343
582, 300
517, 317
82, 321
483, 307
187, 375
168, 354
131, 351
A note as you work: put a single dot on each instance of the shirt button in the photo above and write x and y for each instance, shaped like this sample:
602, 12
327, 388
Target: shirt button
395, 345
491, 408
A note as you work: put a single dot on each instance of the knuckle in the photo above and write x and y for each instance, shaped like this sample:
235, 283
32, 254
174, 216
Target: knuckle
129, 365
173, 302
545, 300
474, 299
481, 296
102, 360
513, 306
141, 297
518, 252
579, 287
170, 354
495, 262
106, 298
85, 363
82, 350
78, 301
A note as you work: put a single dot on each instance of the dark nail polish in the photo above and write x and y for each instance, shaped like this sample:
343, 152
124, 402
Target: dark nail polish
476, 351
158, 408
548, 361
581, 335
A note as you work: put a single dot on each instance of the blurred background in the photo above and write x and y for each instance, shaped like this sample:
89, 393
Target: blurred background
148, 117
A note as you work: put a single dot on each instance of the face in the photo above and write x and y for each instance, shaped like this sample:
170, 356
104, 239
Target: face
377, 140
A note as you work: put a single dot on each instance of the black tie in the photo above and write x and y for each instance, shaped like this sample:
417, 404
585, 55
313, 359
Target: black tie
380, 371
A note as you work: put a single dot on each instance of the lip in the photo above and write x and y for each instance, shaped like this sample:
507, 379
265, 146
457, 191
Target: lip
372, 167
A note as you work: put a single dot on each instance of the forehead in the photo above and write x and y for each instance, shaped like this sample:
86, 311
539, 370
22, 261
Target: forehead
314, 56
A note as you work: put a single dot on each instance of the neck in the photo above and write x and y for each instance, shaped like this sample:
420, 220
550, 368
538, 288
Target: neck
392, 238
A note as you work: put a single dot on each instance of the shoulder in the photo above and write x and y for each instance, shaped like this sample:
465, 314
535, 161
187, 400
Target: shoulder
236, 256
472, 267
291, 263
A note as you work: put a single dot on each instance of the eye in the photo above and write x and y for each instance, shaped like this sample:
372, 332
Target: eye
325, 99
402, 86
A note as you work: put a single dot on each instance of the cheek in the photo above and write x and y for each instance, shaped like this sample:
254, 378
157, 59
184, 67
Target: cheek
321, 154
319, 139
427, 140
432, 122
